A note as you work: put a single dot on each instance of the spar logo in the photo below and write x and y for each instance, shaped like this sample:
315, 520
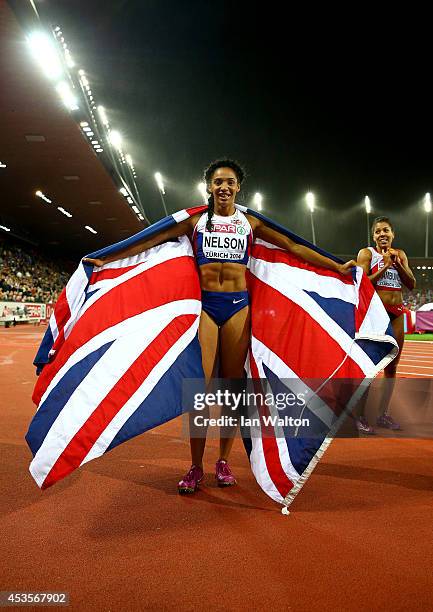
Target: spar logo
224, 228
241, 230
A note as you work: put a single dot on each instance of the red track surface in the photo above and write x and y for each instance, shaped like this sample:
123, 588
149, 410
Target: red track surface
117, 536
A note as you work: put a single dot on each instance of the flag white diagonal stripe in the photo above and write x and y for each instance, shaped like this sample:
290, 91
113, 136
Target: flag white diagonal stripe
140, 395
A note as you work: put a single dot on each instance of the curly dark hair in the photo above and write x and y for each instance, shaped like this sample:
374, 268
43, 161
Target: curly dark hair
381, 220
208, 174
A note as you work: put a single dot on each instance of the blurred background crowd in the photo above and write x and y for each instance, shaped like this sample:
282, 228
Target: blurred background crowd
26, 275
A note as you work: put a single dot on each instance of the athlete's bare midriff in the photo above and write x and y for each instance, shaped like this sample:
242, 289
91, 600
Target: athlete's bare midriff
223, 276
393, 298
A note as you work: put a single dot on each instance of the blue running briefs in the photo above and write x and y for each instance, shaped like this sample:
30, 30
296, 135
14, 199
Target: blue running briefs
220, 306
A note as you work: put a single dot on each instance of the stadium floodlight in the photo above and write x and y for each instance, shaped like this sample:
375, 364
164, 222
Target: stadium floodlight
116, 140
129, 160
69, 61
4, 228
257, 201
310, 199
124, 192
103, 115
367, 205
203, 190
367, 212
160, 183
84, 124
63, 211
427, 208
135, 209
2, 165
43, 197
99, 150
90, 229
130, 200
67, 96
45, 54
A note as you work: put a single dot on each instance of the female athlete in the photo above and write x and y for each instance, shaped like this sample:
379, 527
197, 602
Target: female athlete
221, 239
388, 269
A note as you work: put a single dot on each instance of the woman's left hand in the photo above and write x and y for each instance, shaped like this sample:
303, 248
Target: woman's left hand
347, 267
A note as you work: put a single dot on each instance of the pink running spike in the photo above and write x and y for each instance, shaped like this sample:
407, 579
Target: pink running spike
223, 474
191, 480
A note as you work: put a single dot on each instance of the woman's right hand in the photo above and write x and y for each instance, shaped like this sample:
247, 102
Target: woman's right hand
387, 258
96, 262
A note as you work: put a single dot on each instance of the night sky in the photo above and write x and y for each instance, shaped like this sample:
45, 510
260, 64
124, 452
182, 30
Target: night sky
338, 103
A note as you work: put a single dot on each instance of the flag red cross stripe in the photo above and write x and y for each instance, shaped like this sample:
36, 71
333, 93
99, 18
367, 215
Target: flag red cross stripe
296, 349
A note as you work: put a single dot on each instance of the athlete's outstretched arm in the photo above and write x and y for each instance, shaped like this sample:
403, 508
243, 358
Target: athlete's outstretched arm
180, 229
266, 233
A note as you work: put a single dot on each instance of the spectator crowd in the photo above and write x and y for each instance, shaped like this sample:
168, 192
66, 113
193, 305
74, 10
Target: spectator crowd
28, 276
416, 298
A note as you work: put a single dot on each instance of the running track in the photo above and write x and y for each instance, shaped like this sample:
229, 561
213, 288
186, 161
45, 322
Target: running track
117, 536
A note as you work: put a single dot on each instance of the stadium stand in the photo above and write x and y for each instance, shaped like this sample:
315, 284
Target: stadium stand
26, 275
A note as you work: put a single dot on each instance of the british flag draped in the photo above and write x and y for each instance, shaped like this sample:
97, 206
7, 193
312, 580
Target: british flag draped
124, 335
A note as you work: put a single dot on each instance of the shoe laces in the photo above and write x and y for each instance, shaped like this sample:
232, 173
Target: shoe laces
193, 474
223, 468
387, 418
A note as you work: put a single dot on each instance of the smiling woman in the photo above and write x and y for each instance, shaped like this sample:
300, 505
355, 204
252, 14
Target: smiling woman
222, 238
387, 268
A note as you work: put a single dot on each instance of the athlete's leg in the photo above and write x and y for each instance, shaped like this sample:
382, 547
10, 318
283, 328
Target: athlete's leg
234, 342
208, 337
390, 371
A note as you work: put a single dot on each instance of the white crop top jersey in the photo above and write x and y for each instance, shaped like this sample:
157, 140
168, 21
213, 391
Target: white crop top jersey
390, 280
230, 239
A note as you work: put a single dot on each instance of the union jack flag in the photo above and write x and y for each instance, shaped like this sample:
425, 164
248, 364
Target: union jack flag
124, 335
312, 325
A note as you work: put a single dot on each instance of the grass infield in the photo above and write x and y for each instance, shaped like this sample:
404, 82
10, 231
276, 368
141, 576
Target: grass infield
421, 337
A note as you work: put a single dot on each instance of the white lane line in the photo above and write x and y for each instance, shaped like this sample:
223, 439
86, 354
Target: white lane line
417, 366
416, 361
422, 347
415, 374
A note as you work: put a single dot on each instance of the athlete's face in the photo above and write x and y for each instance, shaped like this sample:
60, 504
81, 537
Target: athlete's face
224, 186
383, 236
